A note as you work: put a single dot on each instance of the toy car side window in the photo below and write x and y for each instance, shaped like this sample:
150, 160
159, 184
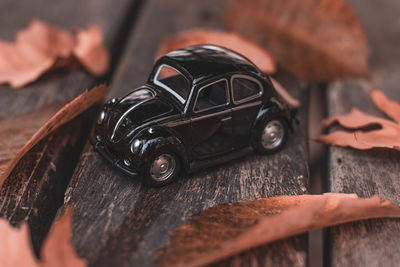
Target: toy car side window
212, 96
245, 88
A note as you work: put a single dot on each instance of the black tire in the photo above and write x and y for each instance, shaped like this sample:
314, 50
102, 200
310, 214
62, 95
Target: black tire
275, 126
156, 179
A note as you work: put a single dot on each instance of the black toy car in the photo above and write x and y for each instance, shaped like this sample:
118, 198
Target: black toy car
202, 105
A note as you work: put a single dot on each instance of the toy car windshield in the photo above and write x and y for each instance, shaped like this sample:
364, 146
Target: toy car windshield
173, 81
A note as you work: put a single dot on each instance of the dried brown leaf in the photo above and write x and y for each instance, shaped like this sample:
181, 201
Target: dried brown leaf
57, 249
391, 108
386, 136
228, 229
89, 50
253, 52
41, 46
18, 135
16, 247
35, 50
316, 40
293, 102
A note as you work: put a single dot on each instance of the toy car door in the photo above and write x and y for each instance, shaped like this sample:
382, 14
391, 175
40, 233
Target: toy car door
246, 95
211, 122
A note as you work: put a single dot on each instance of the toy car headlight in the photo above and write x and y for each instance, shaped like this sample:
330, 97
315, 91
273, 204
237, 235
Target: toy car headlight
136, 145
101, 117
112, 101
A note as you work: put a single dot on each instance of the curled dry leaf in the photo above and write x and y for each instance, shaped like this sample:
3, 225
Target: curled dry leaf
316, 40
293, 102
252, 51
35, 50
385, 135
228, 229
89, 50
18, 135
38, 47
57, 249
391, 108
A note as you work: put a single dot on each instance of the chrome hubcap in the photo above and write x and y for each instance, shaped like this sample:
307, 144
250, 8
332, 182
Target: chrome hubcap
272, 135
162, 167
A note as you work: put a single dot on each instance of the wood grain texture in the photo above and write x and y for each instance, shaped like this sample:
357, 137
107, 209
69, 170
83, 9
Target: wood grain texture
119, 221
40, 179
35, 192
373, 242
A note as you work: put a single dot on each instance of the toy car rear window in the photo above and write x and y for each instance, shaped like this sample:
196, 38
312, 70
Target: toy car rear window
245, 89
173, 81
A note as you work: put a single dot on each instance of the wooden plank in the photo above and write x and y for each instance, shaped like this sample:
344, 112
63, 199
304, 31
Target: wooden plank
119, 221
36, 191
372, 242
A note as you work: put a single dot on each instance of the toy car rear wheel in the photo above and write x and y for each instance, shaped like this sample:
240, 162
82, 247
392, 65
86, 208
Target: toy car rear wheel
271, 135
162, 169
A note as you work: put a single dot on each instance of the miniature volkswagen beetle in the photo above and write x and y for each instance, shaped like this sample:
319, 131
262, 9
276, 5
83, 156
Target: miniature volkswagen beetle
202, 105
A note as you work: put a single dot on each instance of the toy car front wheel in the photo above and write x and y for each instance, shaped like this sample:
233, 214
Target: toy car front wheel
271, 136
162, 169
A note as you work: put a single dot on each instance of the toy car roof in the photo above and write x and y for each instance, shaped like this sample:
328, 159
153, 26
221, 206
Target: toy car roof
204, 61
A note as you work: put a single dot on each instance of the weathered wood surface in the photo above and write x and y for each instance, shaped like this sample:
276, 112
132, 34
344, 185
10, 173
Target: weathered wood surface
34, 193
118, 221
373, 242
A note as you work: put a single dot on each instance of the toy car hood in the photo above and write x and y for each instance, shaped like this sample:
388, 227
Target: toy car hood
141, 105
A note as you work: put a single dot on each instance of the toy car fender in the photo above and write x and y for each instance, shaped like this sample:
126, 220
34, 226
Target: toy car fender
155, 139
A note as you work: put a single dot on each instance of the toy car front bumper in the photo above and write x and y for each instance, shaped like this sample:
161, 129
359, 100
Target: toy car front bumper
113, 159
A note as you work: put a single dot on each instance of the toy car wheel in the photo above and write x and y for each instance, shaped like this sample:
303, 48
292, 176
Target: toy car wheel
162, 169
271, 136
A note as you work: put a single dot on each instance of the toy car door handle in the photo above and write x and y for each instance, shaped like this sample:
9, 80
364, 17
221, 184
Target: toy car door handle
226, 119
